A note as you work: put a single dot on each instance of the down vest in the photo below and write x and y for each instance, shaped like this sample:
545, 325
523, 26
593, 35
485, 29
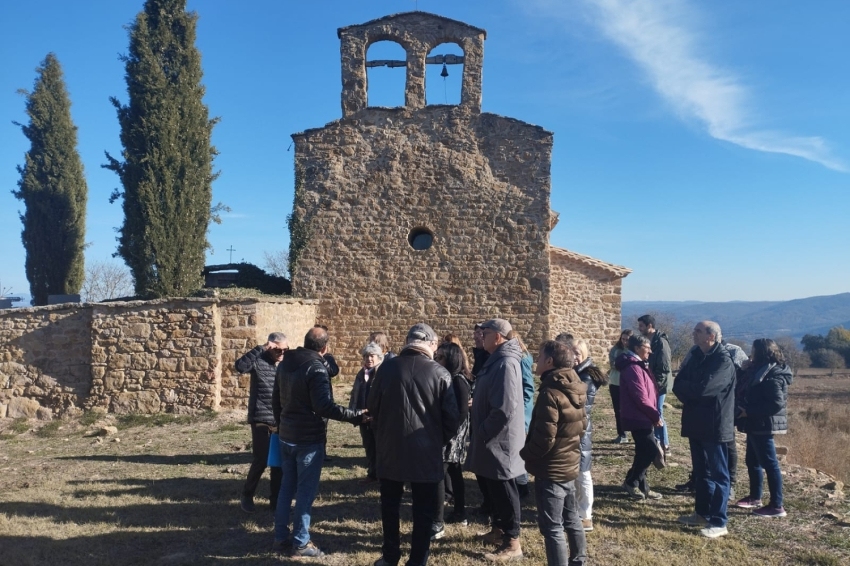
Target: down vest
262, 385
551, 448
763, 394
302, 399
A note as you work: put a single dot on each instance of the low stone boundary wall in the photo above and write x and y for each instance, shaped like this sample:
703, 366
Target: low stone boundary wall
168, 355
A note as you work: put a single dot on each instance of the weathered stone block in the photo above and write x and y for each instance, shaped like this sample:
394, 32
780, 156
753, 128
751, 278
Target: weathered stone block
21, 407
145, 402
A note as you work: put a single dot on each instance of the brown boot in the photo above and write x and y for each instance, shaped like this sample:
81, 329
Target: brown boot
508, 552
494, 536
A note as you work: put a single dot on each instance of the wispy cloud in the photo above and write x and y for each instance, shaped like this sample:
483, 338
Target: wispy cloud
661, 37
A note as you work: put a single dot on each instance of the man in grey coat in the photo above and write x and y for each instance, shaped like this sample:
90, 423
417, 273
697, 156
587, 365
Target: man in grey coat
497, 436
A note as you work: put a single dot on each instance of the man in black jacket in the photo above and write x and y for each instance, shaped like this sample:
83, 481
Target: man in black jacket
261, 362
706, 387
302, 402
415, 413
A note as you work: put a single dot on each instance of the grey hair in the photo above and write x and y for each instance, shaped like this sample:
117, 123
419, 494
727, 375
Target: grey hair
372, 349
277, 337
714, 329
638, 340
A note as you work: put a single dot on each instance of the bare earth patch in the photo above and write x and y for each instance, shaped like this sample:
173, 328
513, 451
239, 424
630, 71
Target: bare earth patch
166, 492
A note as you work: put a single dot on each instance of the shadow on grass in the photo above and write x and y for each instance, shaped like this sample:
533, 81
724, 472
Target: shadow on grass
223, 459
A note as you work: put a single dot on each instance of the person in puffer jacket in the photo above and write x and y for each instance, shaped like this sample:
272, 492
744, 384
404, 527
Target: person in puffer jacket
594, 378
761, 399
552, 453
261, 362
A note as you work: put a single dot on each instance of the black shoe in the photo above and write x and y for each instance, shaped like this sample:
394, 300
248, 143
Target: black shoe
247, 504
455, 518
687, 487
438, 531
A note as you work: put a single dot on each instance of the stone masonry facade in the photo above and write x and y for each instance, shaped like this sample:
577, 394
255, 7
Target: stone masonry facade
477, 183
174, 355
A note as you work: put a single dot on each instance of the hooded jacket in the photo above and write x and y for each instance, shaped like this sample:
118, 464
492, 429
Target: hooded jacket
763, 394
498, 414
638, 393
552, 447
414, 414
261, 389
593, 378
706, 387
302, 399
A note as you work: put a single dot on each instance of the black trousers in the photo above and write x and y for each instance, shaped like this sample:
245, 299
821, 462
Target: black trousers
615, 401
486, 503
368, 437
645, 450
452, 479
260, 436
424, 515
504, 497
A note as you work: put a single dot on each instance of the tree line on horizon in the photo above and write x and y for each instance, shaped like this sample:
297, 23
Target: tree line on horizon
165, 167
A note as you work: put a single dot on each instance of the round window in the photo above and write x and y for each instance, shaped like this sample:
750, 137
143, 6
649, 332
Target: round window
420, 238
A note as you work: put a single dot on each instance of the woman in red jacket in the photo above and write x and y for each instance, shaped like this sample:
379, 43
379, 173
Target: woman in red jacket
639, 414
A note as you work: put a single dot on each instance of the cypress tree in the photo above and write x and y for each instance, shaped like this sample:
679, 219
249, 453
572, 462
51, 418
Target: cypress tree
53, 189
167, 165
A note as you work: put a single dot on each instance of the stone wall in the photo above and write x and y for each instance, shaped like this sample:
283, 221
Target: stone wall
45, 360
245, 324
478, 182
586, 300
172, 355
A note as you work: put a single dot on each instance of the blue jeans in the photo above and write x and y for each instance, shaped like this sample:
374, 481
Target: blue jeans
761, 456
661, 432
557, 511
302, 468
710, 461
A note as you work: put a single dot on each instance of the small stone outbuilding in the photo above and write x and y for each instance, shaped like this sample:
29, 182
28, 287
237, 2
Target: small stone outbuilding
436, 213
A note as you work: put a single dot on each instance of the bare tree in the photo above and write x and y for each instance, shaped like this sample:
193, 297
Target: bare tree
795, 357
276, 263
106, 280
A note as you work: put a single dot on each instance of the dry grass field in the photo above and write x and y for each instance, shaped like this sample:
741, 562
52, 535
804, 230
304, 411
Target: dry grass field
167, 494
819, 430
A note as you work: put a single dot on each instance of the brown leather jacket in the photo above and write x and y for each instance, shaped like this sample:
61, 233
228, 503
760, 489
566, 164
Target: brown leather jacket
552, 446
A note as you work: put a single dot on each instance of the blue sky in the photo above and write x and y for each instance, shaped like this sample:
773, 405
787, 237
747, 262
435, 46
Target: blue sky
704, 144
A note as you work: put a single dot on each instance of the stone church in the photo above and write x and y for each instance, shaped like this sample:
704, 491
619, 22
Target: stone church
436, 213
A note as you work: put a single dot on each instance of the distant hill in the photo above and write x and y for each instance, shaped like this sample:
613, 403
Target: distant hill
747, 320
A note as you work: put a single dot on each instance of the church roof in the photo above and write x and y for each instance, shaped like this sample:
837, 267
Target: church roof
616, 270
406, 15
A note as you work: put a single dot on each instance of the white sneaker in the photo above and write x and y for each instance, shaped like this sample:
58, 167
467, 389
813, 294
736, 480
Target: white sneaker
693, 520
714, 532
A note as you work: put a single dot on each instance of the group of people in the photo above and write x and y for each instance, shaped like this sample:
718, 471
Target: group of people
425, 416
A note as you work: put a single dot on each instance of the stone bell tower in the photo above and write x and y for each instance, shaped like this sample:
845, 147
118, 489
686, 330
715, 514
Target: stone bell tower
435, 213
